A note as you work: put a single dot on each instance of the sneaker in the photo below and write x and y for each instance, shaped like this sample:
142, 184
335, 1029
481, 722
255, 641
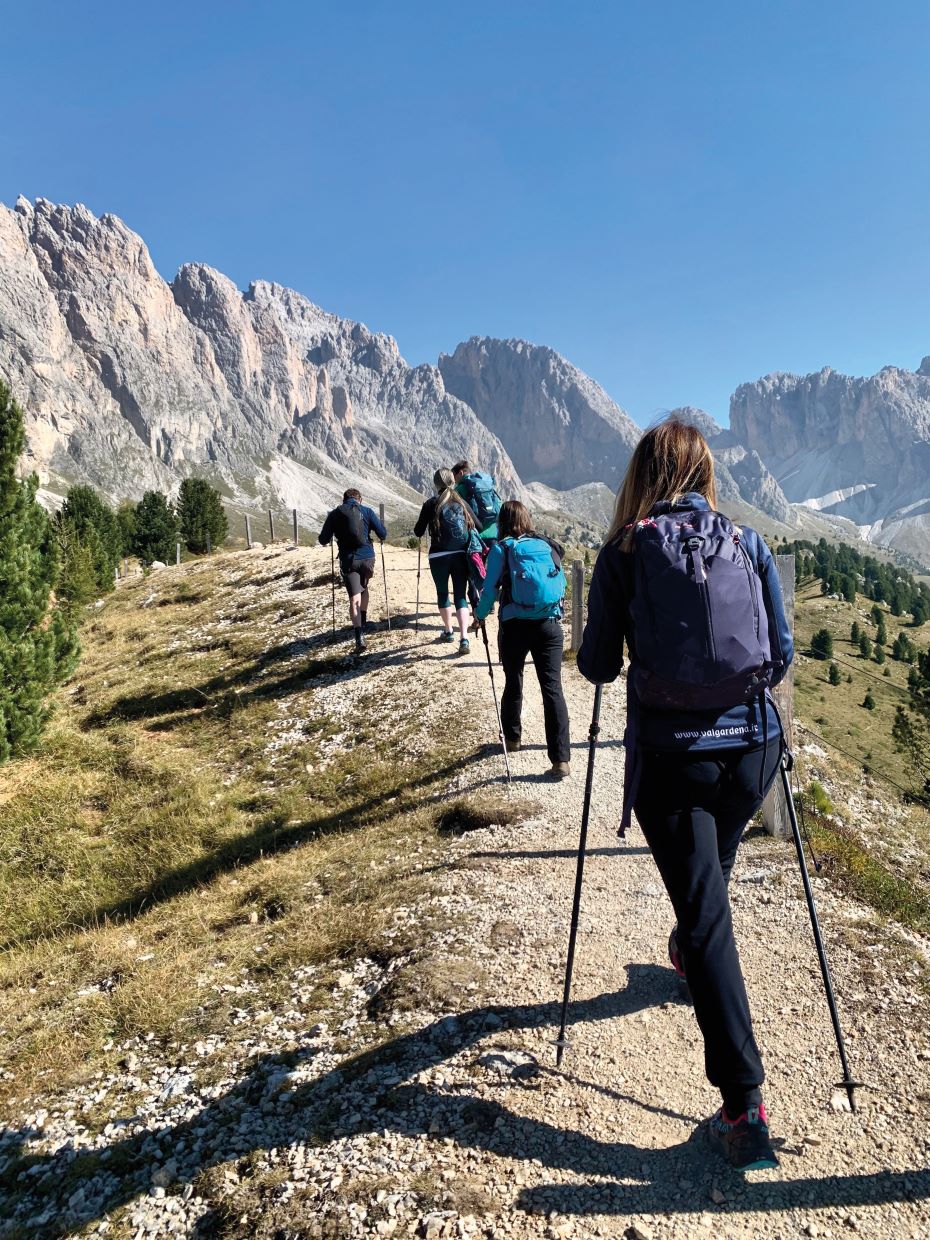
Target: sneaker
513, 746
464, 646
744, 1141
560, 770
447, 636
674, 953
359, 641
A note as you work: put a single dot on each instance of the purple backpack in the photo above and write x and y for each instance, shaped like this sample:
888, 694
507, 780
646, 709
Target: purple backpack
700, 627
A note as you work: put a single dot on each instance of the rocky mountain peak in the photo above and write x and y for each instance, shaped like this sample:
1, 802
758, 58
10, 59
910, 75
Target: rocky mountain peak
563, 428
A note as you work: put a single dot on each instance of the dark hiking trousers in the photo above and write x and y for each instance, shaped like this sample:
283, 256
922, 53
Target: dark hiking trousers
693, 809
543, 640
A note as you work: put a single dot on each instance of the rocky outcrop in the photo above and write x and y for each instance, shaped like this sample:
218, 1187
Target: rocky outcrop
852, 447
560, 427
742, 476
129, 382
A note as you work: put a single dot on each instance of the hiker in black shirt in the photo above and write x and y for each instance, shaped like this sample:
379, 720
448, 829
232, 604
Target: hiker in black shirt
452, 533
351, 525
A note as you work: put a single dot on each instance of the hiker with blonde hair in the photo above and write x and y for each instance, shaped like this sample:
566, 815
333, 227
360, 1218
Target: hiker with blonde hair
696, 601
450, 523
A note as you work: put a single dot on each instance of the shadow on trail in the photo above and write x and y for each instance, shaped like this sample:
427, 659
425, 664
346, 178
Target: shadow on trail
281, 671
547, 854
251, 1117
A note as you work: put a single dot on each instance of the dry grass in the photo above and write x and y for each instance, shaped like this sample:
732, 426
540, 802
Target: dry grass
157, 847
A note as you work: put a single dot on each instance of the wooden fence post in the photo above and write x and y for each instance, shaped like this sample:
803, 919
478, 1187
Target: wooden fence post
296, 530
248, 532
577, 604
177, 553
271, 525
774, 811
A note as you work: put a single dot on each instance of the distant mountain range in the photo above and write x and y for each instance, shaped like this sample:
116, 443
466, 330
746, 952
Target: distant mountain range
130, 383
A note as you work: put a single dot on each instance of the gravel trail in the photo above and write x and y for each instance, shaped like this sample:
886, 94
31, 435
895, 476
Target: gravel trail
459, 1124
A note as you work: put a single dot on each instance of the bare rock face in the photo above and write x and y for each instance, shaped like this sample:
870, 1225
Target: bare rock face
852, 447
742, 476
560, 427
129, 382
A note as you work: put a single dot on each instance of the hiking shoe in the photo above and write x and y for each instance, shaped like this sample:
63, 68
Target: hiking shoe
447, 637
513, 746
560, 770
674, 953
464, 646
359, 641
744, 1141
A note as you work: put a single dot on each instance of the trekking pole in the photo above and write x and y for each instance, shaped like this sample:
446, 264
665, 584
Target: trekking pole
847, 1082
332, 562
416, 622
497, 709
562, 1041
384, 575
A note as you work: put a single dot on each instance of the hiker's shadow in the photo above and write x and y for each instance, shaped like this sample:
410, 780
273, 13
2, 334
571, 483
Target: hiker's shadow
238, 1124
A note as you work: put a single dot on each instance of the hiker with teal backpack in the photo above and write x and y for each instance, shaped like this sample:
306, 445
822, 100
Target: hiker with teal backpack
696, 600
452, 536
524, 571
479, 491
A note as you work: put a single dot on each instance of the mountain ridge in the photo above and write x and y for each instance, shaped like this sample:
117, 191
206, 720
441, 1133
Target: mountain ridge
132, 382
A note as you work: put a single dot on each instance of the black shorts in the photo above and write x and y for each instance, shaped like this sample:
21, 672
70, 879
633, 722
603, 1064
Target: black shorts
357, 573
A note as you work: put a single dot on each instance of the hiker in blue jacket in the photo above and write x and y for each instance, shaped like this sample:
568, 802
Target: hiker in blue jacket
451, 526
525, 572
697, 602
351, 525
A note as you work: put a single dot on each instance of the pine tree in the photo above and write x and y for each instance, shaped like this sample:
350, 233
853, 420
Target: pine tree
200, 515
834, 674
868, 701
879, 654
865, 645
878, 616
126, 523
37, 640
881, 634
95, 524
822, 644
854, 633
77, 580
156, 528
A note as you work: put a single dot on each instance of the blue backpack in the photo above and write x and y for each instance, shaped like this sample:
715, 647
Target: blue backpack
482, 495
537, 582
699, 624
452, 526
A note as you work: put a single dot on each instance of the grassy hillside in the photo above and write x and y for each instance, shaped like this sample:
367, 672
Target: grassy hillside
221, 799
836, 711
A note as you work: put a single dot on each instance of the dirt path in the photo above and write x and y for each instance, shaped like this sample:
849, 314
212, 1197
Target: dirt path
604, 1143
457, 1123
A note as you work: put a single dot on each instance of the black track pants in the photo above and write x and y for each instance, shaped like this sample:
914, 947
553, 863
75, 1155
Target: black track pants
693, 809
543, 640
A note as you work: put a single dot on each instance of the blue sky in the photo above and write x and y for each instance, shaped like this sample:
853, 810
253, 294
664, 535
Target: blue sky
678, 197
